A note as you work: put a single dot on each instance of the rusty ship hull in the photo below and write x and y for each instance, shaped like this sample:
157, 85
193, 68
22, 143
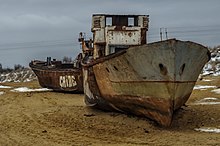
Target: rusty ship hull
63, 77
151, 80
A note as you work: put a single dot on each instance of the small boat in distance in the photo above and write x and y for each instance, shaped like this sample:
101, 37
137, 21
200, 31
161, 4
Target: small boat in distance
122, 72
59, 76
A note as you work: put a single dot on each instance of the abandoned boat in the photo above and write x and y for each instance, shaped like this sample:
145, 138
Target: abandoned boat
59, 76
122, 72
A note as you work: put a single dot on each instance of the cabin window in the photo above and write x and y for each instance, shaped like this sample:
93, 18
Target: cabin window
97, 22
130, 21
108, 21
111, 49
121, 20
116, 48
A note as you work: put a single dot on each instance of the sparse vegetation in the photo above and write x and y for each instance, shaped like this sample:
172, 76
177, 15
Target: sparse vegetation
17, 74
18, 66
213, 66
7, 70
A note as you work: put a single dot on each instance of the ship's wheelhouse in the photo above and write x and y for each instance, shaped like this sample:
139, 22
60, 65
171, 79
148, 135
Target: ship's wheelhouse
112, 33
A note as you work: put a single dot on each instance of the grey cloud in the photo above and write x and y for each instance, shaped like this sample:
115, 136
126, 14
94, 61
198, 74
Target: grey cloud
44, 20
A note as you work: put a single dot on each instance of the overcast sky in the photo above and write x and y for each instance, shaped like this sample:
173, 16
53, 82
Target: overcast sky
35, 29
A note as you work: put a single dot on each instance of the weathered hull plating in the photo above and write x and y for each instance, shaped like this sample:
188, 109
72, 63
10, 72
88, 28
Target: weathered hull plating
59, 77
150, 80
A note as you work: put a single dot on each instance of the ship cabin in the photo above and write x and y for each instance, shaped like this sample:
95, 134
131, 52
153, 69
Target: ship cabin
113, 33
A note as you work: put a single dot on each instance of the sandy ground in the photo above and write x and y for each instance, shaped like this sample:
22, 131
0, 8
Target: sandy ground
51, 118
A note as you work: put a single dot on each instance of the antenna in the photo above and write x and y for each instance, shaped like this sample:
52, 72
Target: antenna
166, 33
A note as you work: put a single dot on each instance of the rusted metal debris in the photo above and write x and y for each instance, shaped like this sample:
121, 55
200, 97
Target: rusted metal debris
122, 72
59, 76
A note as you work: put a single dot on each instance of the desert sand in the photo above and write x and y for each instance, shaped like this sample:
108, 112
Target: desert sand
62, 119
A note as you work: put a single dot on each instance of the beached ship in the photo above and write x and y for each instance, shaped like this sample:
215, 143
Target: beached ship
122, 72
59, 76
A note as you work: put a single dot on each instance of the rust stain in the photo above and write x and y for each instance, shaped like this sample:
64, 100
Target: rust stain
157, 109
58, 76
123, 71
129, 34
154, 81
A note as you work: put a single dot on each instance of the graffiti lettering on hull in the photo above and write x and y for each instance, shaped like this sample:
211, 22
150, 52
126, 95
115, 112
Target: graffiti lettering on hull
67, 81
